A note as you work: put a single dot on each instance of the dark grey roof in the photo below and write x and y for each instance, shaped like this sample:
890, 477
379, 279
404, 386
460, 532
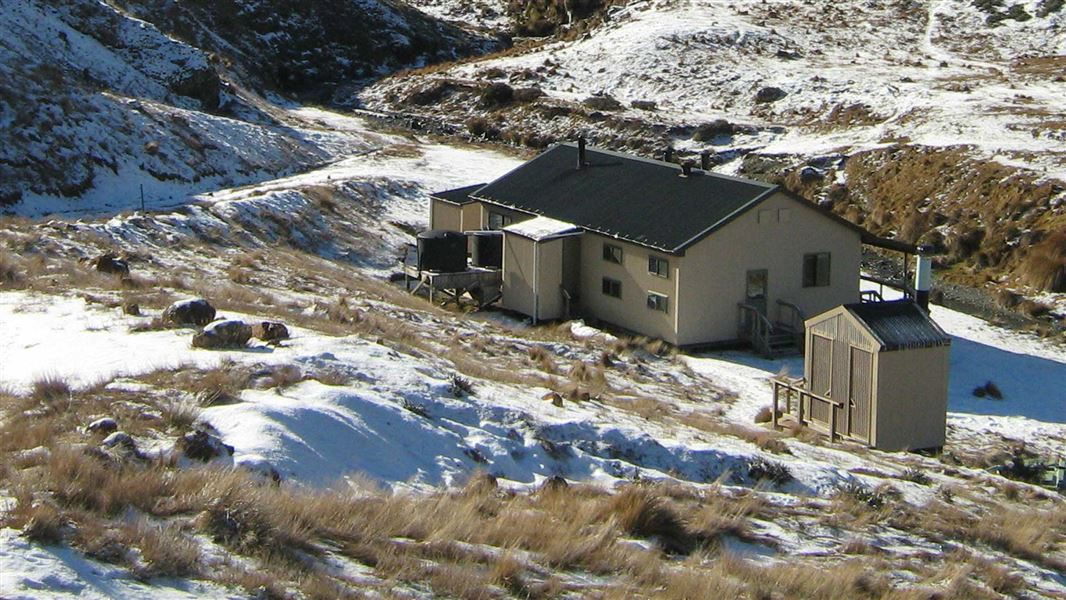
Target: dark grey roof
643, 201
899, 325
458, 195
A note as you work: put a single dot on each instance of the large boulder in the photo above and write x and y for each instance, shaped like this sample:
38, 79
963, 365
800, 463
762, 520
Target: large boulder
197, 312
228, 333
270, 331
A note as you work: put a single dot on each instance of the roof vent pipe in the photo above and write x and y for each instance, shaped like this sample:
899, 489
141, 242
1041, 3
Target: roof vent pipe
686, 168
923, 276
705, 161
668, 155
581, 162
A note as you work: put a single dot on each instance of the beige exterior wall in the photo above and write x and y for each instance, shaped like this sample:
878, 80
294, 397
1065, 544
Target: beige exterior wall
631, 310
536, 294
912, 399
445, 215
471, 216
773, 236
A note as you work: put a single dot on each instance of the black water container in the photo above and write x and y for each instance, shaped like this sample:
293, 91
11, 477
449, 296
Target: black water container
442, 250
487, 249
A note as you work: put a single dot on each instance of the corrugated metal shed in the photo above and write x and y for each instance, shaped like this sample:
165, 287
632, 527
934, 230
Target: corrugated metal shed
899, 325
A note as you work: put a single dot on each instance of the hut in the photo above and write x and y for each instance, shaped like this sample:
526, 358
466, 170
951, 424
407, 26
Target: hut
875, 373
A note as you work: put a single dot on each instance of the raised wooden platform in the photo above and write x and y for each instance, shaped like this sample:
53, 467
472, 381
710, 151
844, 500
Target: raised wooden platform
482, 284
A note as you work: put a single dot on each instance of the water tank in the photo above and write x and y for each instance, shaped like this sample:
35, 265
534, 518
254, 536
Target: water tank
487, 249
442, 250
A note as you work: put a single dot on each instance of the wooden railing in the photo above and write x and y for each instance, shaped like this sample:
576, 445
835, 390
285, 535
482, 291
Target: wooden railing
805, 399
903, 286
754, 327
792, 316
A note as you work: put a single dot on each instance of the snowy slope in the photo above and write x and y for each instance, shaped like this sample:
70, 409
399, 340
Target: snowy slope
856, 75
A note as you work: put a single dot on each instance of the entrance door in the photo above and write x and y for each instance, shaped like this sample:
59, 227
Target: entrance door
755, 290
821, 377
860, 386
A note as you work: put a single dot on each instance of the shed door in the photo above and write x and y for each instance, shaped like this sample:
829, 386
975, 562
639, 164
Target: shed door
860, 386
821, 375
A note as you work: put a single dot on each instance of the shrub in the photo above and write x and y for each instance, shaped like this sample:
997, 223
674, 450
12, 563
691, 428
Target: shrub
765, 415
50, 389
916, 475
760, 469
641, 512
459, 386
480, 127
496, 95
989, 389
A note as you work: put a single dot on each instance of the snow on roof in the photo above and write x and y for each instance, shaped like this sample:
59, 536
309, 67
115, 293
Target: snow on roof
542, 228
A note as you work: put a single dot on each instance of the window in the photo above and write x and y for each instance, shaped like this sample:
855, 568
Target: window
659, 266
612, 253
816, 269
612, 287
658, 302
499, 220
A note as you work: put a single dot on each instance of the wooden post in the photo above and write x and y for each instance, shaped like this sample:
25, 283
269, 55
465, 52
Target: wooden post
832, 422
773, 417
801, 408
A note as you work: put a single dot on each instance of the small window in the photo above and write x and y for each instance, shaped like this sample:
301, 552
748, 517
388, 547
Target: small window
612, 253
658, 302
499, 220
816, 269
612, 287
659, 266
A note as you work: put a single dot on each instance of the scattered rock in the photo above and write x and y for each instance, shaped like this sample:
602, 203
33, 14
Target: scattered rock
120, 445
103, 425
553, 397
197, 312
229, 333
201, 446
709, 131
649, 105
111, 264
770, 94
811, 175
270, 331
604, 102
131, 308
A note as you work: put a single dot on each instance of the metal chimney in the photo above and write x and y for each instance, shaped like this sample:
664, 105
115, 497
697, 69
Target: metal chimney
705, 161
923, 276
581, 162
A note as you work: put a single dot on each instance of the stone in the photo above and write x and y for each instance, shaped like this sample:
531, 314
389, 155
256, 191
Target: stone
203, 447
102, 425
769, 94
196, 311
270, 331
229, 333
111, 264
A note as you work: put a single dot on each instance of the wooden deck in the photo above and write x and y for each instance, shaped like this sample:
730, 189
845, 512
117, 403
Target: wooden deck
799, 405
482, 284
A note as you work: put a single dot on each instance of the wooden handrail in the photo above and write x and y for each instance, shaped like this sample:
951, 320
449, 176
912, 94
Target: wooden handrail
757, 330
797, 387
